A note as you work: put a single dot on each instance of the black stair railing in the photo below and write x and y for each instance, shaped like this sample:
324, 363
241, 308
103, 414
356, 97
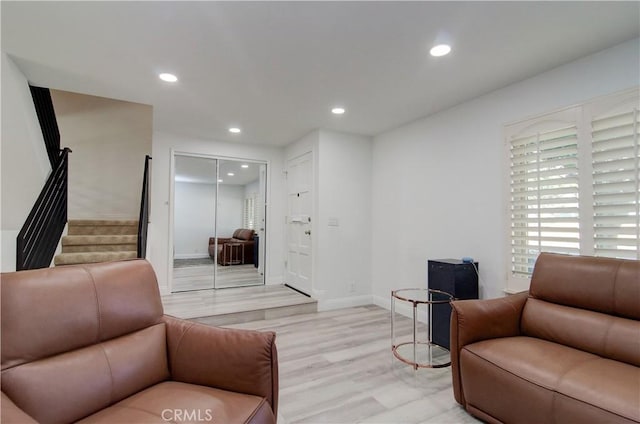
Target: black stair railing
48, 122
143, 221
38, 239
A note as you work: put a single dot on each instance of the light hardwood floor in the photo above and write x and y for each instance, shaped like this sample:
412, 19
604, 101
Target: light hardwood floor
337, 367
200, 277
240, 304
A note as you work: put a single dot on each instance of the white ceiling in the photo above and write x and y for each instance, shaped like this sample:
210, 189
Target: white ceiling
276, 68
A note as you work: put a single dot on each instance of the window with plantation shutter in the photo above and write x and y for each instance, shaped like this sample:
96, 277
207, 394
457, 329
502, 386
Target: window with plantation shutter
544, 196
258, 212
615, 158
574, 183
248, 216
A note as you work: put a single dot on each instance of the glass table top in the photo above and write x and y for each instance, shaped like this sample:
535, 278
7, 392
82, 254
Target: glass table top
422, 295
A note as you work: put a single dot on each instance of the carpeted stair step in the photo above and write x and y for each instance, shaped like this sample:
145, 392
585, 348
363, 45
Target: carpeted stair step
91, 257
78, 227
98, 240
90, 243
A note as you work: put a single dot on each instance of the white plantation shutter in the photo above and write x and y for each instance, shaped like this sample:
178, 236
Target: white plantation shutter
248, 216
258, 212
574, 183
544, 196
615, 158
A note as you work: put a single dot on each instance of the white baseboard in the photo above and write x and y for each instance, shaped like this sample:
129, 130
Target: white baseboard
345, 302
164, 288
190, 256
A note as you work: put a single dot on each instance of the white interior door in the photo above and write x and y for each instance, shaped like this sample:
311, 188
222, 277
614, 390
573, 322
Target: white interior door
299, 204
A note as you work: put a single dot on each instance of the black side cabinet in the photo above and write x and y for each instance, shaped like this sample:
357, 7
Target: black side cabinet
456, 278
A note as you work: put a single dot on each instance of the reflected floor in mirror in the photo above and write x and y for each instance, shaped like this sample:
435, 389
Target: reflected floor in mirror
197, 274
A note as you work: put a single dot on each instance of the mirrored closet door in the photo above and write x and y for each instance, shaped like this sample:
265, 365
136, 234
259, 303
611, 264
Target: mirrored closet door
218, 222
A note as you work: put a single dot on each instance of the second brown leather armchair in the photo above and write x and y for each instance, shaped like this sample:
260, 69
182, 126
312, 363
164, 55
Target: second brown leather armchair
568, 351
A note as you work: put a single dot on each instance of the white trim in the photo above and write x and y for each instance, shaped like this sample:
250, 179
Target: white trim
509, 291
267, 193
191, 256
172, 177
345, 302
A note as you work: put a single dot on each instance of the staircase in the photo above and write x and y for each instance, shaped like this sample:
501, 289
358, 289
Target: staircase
91, 241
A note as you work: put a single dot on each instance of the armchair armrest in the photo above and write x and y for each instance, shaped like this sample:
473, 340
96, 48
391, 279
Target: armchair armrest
221, 240
11, 414
476, 320
238, 360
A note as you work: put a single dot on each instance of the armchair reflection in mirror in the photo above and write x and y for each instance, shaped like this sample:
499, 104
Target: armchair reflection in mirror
235, 250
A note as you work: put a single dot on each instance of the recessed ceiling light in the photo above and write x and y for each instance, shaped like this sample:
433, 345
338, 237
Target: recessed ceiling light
244, 165
168, 77
338, 110
231, 174
234, 130
440, 50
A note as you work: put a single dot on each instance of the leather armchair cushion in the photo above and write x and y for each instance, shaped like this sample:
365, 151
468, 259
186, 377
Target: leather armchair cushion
72, 385
11, 414
90, 305
242, 234
161, 403
497, 378
604, 285
221, 240
605, 335
51, 375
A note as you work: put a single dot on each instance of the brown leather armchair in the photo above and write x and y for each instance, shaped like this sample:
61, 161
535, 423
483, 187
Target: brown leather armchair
237, 249
568, 351
91, 344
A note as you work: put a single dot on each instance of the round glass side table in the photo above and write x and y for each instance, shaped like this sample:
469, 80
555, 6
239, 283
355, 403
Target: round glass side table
425, 353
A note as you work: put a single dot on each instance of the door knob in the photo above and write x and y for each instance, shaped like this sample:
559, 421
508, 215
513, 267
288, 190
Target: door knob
308, 232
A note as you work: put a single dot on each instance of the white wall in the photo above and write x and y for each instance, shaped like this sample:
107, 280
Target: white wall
25, 165
194, 216
230, 208
194, 219
159, 228
251, 188
341, 221
109, 139
439, 183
